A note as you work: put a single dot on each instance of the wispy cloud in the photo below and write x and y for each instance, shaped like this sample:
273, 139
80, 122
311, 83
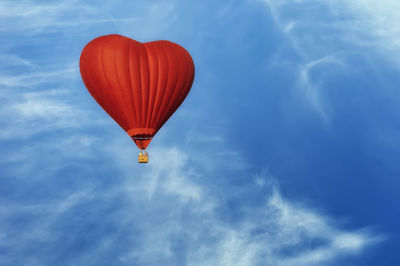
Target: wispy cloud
197, 231
13, 60
375, 24
34, 78
330, 32
36, 17
178, 208
29, 113
175, 209
31, 18
312, 88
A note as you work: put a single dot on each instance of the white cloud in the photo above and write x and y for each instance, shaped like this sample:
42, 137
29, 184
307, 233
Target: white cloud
366, 21
36, 106
376, 23
40, 99
13, 60
166, 173
34, 78
329, 32
43, 216
172, 210
312, 88
283, 232
34, 17
175, 190
29, 113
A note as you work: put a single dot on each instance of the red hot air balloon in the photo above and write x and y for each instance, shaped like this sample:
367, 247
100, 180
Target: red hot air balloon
140, 85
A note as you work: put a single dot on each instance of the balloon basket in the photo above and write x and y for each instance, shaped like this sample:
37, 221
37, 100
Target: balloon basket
143, 157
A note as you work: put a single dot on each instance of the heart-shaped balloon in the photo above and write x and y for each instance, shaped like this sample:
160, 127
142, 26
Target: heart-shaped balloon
140, 85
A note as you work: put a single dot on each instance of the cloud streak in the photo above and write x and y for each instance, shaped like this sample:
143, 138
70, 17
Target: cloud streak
174, 211
37, 17
29, 113
196, 231
364, 28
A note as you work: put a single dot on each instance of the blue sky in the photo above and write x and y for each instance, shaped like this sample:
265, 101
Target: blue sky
285, 152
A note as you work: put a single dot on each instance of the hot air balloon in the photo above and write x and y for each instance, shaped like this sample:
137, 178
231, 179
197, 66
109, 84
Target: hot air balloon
140, 85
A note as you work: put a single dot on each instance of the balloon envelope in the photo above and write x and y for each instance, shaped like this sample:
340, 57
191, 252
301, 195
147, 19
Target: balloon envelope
140, 85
